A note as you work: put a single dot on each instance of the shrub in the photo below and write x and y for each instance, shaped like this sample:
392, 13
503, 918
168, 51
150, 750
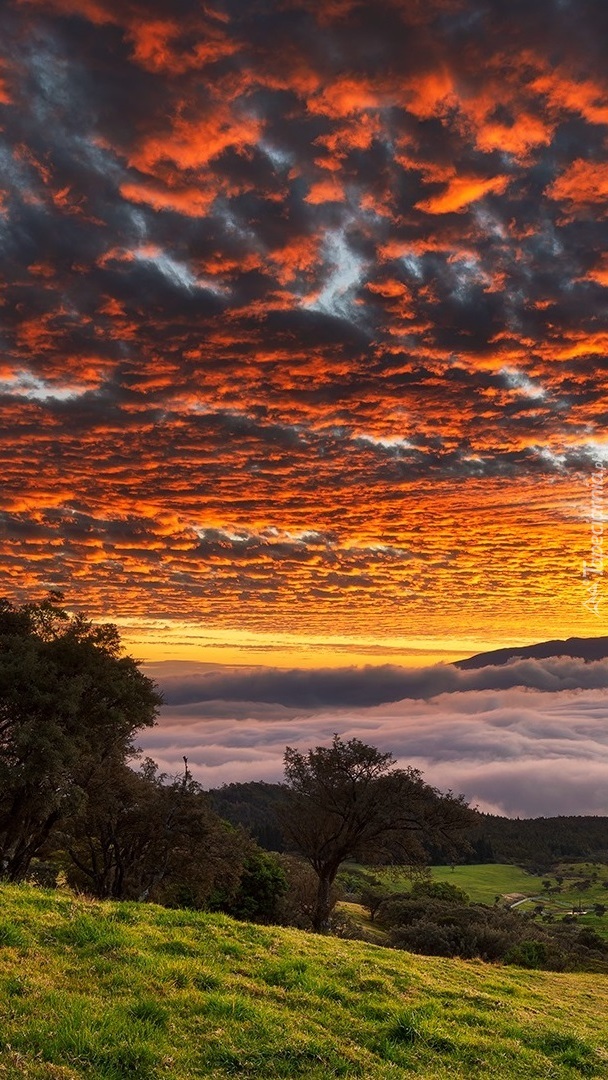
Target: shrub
529, 954
440, 890
443, 928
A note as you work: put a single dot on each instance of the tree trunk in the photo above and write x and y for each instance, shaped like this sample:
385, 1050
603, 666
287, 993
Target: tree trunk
323, 905
16, 862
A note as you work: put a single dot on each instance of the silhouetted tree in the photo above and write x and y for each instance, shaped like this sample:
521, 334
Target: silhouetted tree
349, 801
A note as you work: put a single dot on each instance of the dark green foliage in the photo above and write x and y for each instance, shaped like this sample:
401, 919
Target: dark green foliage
529, 953
140, 837
435, 926
439, 890
70, 706
69, 703
263, 883
371, 897
296, 906
538, 842
254, 805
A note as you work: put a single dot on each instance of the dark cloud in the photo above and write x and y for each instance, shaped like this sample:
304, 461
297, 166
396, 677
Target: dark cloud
373, 685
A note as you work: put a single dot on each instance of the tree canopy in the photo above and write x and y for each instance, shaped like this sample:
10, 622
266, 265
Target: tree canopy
70, 702
349, 801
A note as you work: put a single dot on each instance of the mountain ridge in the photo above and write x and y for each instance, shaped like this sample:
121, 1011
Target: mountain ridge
588, 649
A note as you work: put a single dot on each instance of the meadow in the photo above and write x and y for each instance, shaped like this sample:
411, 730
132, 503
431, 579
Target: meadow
484, 882
107, 991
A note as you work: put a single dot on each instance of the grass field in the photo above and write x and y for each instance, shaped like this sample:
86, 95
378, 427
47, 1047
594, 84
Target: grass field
115, 991
482, 882
485, 882
570, 898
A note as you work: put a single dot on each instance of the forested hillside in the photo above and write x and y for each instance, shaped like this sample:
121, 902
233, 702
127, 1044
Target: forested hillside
541, 841
538, 841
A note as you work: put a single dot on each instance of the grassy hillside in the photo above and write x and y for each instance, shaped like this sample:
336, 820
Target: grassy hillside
91, 990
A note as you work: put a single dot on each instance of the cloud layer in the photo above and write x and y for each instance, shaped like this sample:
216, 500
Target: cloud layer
371, 685
303, 314
526, 739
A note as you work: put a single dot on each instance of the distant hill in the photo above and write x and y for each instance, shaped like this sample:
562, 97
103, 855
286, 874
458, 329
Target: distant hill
539, 841
595, 648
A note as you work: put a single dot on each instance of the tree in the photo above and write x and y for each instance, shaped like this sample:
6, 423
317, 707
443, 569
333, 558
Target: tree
349, 801
297, 905
141, 837
70, 703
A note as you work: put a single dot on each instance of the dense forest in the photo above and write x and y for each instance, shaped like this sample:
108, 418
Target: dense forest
534, 842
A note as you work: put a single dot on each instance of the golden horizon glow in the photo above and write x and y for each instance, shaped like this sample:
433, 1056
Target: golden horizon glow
157, 641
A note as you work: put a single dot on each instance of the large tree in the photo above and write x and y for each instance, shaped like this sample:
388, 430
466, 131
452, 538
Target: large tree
348, 800
70, 703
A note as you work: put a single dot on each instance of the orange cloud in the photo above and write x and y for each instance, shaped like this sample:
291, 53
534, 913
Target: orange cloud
191, 143
599, 272
299, 255
326, 190
156, 46
583, 185
581, 95
461, 192
190, 200
344, 97
430, 93
528, 132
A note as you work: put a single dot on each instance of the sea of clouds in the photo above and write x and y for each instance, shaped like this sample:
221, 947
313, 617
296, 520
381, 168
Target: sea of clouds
527, 738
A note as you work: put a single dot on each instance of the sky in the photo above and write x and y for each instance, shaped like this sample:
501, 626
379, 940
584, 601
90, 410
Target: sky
303, 337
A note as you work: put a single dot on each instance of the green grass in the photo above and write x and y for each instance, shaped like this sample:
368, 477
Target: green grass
486, 881
482, 882
104, 991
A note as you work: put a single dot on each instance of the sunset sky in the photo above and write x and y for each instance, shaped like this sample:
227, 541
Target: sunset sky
303, 322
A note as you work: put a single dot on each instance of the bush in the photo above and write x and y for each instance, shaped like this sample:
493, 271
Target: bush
529, 954
263, 883
445, 928
440, 890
